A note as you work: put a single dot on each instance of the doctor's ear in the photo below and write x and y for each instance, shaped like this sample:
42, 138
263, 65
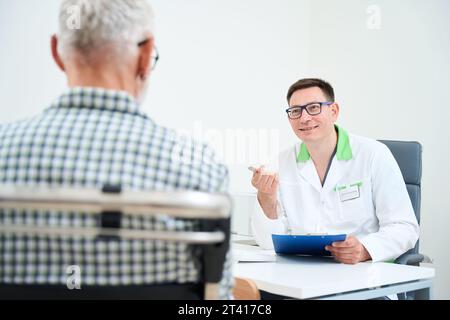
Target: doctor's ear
335, 109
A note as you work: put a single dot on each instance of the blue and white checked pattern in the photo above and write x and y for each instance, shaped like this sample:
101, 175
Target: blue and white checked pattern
87, 138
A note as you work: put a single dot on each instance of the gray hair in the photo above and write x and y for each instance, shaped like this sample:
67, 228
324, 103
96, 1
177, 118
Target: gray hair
89, 25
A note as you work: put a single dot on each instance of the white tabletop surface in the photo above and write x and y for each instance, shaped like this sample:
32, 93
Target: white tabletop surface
308, 277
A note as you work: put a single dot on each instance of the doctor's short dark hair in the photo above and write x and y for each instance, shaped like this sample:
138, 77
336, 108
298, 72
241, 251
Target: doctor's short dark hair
305, 83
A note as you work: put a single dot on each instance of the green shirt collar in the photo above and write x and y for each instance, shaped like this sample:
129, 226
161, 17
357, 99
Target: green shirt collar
343, 152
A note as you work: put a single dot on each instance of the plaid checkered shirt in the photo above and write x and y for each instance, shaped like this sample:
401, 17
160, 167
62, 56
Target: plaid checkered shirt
90, 137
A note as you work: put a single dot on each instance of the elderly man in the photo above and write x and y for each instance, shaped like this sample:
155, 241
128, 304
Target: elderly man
94, 134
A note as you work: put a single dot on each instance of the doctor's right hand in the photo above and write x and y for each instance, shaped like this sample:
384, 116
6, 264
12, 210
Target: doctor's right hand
267, 185
265, 182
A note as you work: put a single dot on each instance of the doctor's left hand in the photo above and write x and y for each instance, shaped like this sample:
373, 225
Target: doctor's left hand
350, 251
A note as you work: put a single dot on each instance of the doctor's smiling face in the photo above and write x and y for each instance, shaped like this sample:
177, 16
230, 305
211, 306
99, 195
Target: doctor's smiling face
318, 127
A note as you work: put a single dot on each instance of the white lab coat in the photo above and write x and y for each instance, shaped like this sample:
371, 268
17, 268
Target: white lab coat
382, 217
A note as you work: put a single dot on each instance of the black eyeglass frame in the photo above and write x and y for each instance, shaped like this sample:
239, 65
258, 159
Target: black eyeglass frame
155, 58
304, 107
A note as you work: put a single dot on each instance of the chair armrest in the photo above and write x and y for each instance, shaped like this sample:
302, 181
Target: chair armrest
410, 259
413, 259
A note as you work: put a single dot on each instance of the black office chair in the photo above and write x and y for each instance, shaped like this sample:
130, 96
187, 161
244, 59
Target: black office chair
212, 210
408, 155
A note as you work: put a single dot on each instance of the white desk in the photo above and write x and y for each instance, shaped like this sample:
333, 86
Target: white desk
323, 278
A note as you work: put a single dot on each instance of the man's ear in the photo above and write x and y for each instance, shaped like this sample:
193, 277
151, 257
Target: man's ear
55, 54
144, 58
335, 110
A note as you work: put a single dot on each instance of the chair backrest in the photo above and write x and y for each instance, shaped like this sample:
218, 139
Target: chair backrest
408, 155
212, 210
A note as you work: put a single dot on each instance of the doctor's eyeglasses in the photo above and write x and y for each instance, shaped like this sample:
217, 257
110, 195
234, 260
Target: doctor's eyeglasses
313, 109
155, 55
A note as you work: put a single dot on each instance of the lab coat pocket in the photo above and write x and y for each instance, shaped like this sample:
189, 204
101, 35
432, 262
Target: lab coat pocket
351, 199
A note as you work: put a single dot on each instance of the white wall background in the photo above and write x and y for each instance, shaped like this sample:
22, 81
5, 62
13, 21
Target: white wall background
393, 83
226, 65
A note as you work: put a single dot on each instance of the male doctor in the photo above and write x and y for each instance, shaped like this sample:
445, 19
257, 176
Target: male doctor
333, 182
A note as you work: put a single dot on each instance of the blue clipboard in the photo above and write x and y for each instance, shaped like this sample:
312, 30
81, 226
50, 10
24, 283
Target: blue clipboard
313, 245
